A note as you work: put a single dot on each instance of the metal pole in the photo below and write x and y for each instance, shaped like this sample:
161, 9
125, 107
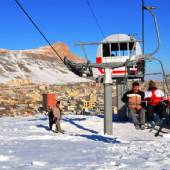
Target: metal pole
121, 107
108, 102
143, 35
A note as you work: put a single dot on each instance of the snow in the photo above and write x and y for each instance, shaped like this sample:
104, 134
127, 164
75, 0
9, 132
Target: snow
4, 158
26, 143
14, 65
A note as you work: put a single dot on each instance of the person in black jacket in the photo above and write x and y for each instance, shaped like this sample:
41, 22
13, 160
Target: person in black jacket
51, 119
135, 102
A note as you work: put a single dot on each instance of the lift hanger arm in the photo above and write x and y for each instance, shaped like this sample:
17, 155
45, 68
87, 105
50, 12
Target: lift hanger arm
149, 9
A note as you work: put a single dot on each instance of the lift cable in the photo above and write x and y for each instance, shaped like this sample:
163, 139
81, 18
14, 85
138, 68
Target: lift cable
95, 18
38, 29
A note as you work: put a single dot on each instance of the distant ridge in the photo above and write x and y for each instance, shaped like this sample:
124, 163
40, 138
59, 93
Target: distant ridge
40, 65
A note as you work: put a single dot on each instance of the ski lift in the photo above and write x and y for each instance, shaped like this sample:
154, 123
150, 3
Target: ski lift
118, 52
122, 48
125, 50
121, 57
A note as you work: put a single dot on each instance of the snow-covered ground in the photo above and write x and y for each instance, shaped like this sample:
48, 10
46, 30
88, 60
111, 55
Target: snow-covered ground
26, 143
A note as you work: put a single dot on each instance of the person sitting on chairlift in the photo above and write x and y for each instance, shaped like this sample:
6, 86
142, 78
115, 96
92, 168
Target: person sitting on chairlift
133, 99
156, 102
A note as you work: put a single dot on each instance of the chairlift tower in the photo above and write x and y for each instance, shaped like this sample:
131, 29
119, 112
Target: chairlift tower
114, 60
117, 48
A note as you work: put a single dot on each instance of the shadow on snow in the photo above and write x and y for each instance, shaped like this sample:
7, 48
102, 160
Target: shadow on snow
43, 118
72, 121
115, 118
43, 126
100, 138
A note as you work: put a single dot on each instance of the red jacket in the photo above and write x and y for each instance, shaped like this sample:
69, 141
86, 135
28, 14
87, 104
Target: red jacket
154, 96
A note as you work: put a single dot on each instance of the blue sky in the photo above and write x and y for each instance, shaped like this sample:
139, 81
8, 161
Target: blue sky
71, 21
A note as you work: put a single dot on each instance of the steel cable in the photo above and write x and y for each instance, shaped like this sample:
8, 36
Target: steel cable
38, 29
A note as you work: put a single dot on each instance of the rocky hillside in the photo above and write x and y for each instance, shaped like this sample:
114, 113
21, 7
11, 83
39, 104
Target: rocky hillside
39, 65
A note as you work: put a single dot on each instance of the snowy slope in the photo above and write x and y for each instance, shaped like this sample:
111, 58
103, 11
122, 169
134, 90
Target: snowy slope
41, 65
26, 144
21, 65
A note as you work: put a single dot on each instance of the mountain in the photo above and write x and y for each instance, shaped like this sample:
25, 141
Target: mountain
41, 65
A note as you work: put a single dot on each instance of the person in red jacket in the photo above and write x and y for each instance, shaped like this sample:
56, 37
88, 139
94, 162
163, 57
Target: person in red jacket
155, 102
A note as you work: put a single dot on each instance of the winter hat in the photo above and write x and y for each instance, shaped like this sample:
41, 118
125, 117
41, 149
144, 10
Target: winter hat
152, 84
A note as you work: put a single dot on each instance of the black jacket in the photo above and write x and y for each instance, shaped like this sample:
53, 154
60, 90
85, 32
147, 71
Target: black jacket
141, 93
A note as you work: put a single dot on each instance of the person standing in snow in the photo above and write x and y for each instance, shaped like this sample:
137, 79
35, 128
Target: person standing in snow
57, 117
134, 100
51, 119
155, 102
